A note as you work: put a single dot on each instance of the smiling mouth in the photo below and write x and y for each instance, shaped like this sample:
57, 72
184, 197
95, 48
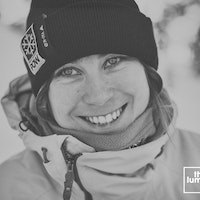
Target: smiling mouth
102, 120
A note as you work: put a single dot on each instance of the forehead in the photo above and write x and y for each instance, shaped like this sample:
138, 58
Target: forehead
90, 58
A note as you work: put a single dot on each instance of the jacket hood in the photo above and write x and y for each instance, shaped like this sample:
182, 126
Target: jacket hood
16, 99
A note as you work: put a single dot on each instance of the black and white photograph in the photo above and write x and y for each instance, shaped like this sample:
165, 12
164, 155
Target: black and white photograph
100, 99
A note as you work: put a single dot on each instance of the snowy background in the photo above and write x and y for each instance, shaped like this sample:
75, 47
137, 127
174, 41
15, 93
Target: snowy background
177, 31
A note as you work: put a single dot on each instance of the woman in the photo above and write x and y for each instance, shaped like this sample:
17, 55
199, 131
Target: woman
96, 121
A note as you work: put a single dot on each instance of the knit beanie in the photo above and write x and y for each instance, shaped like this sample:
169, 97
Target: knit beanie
61, 31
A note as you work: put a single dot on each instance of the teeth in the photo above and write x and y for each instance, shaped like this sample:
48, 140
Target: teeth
91, 119
109, 118
114, 115
105, 119
118, 113
102, 120
95, 120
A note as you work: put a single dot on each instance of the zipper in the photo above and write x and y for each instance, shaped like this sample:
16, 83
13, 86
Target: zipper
69, 176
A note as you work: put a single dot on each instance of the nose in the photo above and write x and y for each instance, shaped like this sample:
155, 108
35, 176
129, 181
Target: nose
97, 92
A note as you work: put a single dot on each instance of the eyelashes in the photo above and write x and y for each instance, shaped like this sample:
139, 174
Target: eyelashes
113, 61
73, 71
67, 72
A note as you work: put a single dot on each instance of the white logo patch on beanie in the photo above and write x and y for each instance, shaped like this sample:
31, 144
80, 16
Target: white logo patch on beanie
30, 51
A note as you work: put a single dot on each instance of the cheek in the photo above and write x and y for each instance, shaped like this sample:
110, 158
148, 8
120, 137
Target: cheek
132, 81
63, 99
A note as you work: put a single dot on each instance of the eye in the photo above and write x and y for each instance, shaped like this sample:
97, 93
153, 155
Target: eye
113, 61
67, 72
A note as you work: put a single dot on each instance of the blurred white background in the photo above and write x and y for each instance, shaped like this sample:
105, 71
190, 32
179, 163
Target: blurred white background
177, 30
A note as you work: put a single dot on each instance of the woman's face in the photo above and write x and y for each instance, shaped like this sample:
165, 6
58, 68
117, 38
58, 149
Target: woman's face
99, 93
